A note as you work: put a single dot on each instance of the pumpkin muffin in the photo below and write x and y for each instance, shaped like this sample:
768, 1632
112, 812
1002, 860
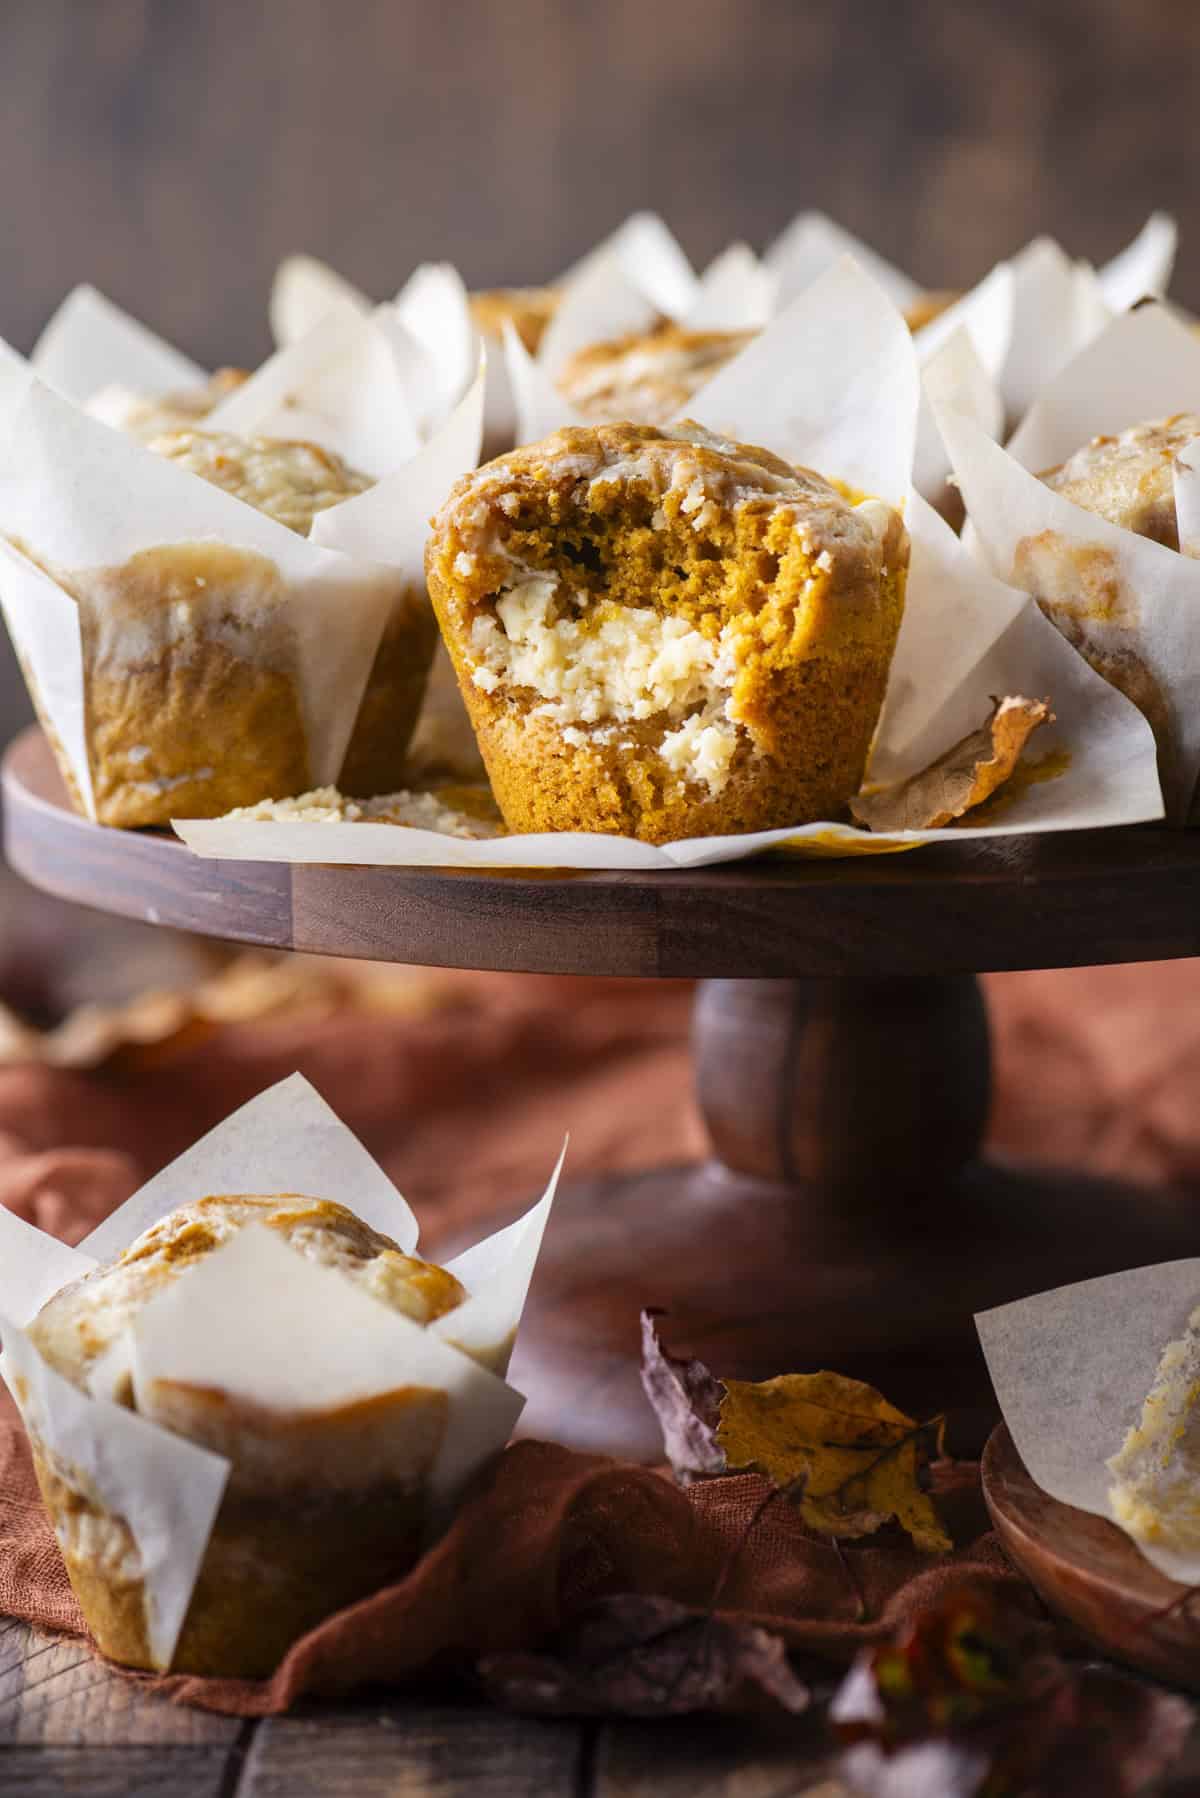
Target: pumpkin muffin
292, 482
528, 309
647, 377
1130, 479
664, 634
145, 416
320, 1508
929, 306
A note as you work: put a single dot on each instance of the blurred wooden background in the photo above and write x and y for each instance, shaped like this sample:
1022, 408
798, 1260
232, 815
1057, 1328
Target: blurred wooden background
171, 151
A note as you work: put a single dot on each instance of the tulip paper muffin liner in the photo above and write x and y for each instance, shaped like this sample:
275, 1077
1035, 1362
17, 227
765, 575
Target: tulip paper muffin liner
1072, 1368
294, 1336
91, 347
77, 498
1026, 318
80, 497
607, 302
1130, 605
833, 384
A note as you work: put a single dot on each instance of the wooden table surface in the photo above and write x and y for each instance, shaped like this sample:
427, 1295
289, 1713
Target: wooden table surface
68, 1725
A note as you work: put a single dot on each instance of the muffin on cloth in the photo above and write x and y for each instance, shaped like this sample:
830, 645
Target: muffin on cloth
318, 1510
249, 1410
661, 633
292, 482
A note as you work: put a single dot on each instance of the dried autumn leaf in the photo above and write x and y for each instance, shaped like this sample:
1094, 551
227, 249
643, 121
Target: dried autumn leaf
848, 1459
686, 1399
634, 1656
963, 777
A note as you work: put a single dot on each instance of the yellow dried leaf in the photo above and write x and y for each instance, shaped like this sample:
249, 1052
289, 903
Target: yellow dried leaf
964, 777
851, 1460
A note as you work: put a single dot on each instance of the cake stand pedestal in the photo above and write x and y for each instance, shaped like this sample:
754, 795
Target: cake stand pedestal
845, 1218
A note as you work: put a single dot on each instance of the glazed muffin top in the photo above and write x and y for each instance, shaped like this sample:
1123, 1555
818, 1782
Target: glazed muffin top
691, 475
289, 480
80, 1323
1130, 479
647, 376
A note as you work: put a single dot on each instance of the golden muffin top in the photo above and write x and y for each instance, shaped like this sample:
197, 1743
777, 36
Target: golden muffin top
289, 480
76, 1327
690, 472
1130, 479
145, 417
528, 309
650, 375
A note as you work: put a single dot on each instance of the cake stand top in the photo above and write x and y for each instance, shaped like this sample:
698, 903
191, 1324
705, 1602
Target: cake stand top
1068, 900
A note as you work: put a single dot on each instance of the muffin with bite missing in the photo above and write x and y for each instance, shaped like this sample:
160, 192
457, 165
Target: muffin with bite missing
320, 1507
663, 634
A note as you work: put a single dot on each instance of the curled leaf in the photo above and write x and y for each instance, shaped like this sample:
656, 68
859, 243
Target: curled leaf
963, 777
686, 1399
631, 1656
847, 1458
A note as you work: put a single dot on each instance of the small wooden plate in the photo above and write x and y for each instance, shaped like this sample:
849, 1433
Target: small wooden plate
1087, 1569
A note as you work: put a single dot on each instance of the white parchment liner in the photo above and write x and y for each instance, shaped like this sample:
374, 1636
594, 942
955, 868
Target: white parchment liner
1071, 1368
1146, 599
634, 276
293, 1335
968, 344
91, 345
833, 384
82, 496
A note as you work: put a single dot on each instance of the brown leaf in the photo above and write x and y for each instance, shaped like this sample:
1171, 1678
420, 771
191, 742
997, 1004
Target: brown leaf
686, 1399
649, 1657
965, 776
847, 1458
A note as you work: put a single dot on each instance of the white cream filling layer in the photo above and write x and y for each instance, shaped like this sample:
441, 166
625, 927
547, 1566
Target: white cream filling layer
634, 664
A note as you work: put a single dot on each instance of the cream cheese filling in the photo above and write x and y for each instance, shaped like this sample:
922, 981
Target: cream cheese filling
598, 664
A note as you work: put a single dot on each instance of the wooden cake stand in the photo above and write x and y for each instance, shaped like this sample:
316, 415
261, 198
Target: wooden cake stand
845, 1218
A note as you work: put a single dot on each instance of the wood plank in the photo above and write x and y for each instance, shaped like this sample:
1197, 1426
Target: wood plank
55, 1693
113, 1773
413, 1751
706, 1757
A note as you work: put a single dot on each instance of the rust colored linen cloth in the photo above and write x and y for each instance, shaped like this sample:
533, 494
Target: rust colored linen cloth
465, 1105
547, 1533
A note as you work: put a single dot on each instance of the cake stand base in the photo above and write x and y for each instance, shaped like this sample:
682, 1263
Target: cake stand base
844, 1221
